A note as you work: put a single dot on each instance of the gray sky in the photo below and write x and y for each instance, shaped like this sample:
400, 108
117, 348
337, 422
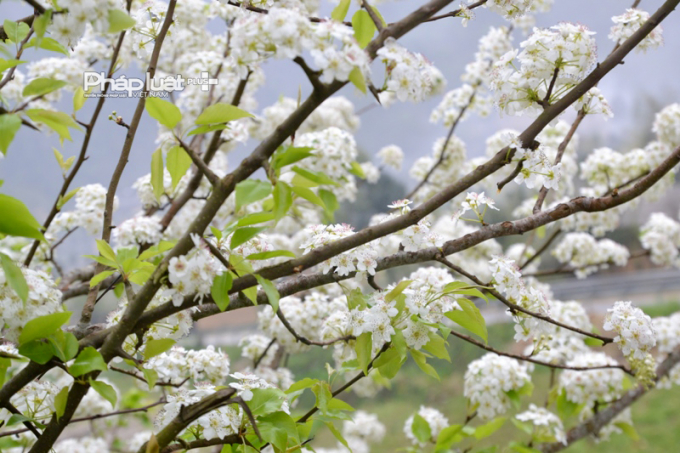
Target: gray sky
31, 173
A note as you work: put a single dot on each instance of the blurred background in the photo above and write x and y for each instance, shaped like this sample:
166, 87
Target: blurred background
635, 90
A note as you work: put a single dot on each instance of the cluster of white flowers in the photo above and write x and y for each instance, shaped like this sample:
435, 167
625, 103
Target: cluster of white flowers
537, 170
546, 424
247, 382
448, 168
149, 19
567, 50
507, 279
68, 28
509, 9
193, 273
305, 316
667, 330
336, 111
628, 23
253, 346
392, 156
409, 76
364, 429
635, 332
433, 417
487, 381
667, 125
563, 344
334, 151
174, 326
474, 202
179, 364
360, 259
661, 236
605, 168
89, 212
215, 424
586, 254
472, 96
43, 299
287, 33
137, 231
601, 385
82, 445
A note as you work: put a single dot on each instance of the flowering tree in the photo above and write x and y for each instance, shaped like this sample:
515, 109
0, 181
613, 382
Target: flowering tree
216, 238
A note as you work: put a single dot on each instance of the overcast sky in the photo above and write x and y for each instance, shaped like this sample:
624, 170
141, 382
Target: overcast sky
31, 173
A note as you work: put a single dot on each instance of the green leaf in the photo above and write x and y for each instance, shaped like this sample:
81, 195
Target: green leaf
64, 345
338, 435
421, 361
15, 277
60, 402
165, 112
401, 286
330, 201
250, 191
302, 384
255, 218
106, 391
357, 79
308, 195
437, 347
282, 199
220, 290
119, 21
469, 318
78, 99
6, 64
178, 162
39, 351
316, 177
151, 377
290, 155
16, 219
628, 430
157, 173
207, 128
221, 113
266, 401
421, 428
43, 326
594, 342
17, 32
363, 347
42, 86
9, 125
63, 200
489, 428
87, 361
5, 363
340, 12
47, 43
152, 445
243, 235
389, 363
279, 429
448, 436
270, 290
59, 122
364, 28
356, 170
40, 24
106, 250
565, 407
157, 347
272, 254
